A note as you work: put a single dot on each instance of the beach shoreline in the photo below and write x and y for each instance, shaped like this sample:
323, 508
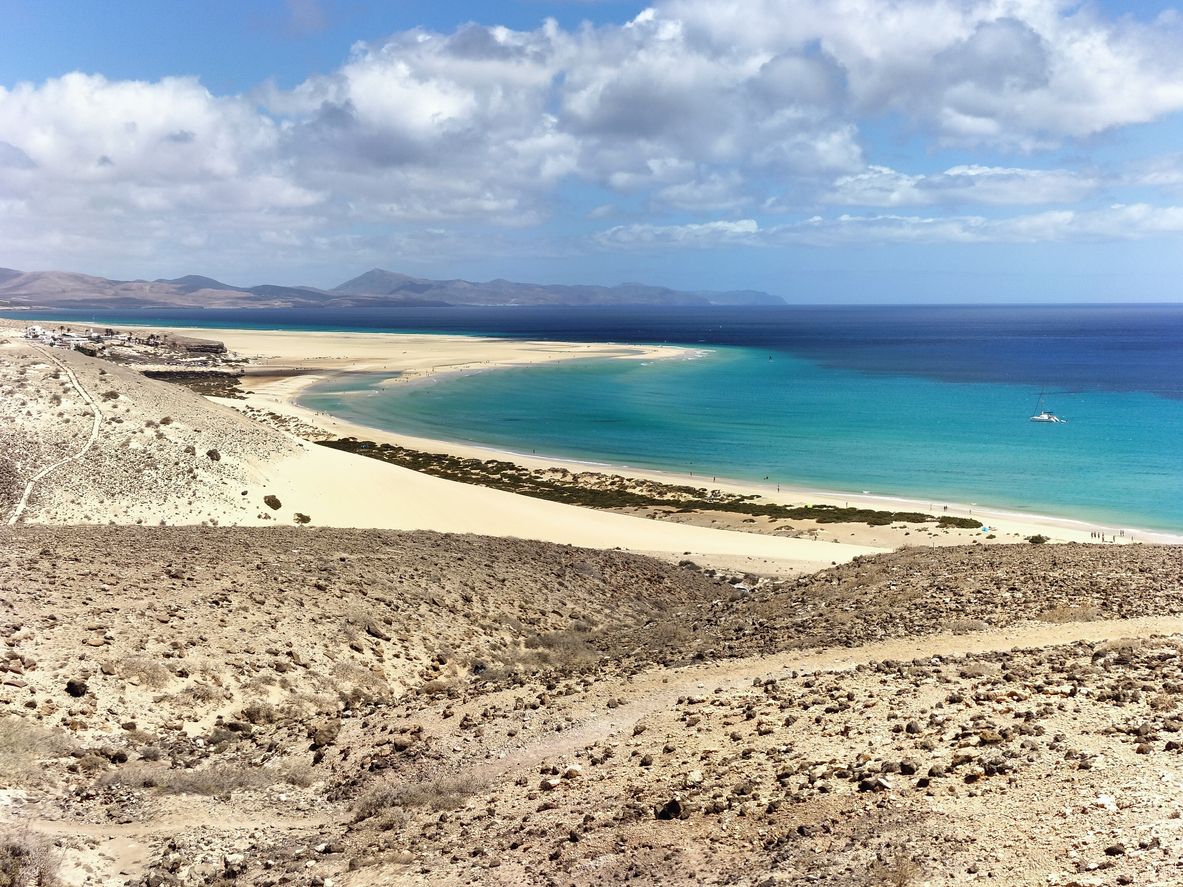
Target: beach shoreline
287, 369
279, 366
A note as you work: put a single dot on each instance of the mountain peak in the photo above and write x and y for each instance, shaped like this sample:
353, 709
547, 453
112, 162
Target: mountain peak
191, 283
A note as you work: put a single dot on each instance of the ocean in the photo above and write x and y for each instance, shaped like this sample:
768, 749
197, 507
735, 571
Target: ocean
930, 403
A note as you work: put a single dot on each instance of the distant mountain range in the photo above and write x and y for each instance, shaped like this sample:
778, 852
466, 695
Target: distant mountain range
374, 289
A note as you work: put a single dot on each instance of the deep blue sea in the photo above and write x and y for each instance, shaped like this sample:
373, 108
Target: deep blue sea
925, 402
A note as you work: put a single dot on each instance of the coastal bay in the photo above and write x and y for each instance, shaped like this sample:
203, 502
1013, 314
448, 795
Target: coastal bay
289, 365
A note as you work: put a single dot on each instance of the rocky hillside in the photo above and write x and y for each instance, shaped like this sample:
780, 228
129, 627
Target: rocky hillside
293, 705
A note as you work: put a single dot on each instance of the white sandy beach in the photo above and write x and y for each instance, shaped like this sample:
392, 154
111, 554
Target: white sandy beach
415, 356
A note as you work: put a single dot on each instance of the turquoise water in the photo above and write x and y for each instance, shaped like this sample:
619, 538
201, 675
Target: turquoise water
735, 413
927, 402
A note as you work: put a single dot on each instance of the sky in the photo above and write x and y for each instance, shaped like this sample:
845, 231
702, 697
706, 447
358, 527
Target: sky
876, 151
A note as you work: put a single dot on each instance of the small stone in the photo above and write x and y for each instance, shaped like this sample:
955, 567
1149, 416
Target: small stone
671, 809
374, 630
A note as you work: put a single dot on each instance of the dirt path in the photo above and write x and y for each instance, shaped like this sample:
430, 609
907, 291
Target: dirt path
116, 853
660, 689
97, 421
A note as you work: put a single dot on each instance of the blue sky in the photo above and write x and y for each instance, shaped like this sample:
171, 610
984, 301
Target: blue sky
855, 150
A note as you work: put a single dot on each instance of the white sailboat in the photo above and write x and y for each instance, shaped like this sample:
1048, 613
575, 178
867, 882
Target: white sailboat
1042, 414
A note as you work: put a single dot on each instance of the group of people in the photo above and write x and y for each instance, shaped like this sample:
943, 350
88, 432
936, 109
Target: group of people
1097, 534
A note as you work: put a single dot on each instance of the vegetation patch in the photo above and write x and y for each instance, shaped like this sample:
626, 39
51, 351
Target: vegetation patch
209, 383
26, 861
445, 793
22, 745
217, 779
615, 492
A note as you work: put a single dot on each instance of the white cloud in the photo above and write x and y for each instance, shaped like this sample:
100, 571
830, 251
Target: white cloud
694, 107
710, 192
1164, 173
1116, 222
989, 185
706, 234
1013, 73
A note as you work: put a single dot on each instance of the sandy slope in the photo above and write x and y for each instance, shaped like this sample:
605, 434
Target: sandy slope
340, 490
139, 470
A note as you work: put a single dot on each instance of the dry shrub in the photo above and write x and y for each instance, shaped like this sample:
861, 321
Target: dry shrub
897, 870
357, 684
444, 793
965, 625
22, 744
669, 634
1163, 702
215, 780
297, 774
26, 860
149, 672
566, 650
1070, 613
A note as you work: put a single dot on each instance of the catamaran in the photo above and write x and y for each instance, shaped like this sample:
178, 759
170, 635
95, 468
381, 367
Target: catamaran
1042, 414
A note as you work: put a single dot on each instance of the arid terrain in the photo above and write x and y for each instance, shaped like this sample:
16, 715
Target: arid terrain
214, 672
293, 705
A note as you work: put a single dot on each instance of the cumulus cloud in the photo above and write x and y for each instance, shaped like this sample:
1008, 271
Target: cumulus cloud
695, 108
1020, 74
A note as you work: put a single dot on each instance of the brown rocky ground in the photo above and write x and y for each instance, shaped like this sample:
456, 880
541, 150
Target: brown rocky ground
302, 706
